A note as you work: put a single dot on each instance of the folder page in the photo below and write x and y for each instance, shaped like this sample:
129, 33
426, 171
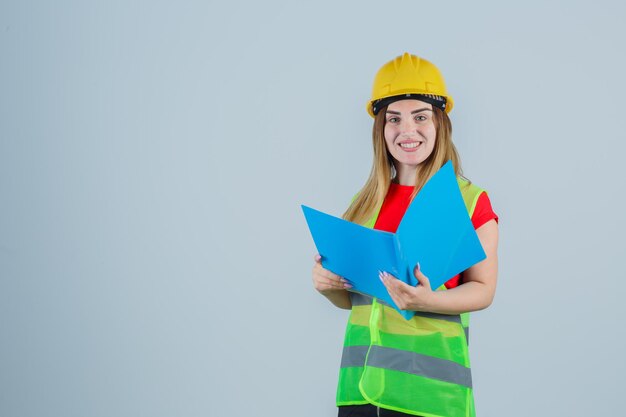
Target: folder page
355, 252
437, 232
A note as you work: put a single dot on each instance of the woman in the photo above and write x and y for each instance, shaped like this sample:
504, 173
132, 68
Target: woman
391, 366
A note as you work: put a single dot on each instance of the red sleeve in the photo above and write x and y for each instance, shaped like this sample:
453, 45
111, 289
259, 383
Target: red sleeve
482, 214
483, 211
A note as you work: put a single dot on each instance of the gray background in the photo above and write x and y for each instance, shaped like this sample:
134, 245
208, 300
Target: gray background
154, 260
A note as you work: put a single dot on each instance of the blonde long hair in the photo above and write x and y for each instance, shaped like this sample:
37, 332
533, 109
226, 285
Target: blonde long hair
373, 193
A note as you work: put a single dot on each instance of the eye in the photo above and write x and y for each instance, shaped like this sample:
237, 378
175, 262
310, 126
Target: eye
420, 118
393, 119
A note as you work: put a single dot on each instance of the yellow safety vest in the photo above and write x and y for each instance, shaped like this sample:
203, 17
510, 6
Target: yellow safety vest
419, 366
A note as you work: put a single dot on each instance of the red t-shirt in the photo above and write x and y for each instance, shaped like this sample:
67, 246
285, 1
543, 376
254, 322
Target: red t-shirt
397, 201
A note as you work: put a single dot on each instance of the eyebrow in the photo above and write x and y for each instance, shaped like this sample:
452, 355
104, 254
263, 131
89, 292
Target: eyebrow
413, 112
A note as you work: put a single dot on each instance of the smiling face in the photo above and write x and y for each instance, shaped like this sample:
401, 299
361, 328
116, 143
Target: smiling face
410, 136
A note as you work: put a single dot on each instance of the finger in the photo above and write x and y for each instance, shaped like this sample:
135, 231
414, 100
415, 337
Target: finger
391, 289
388, 281
421, 278
326, 273
335, 284
387, 274
398, 286
399, 291
391, 280
324, 276
322, 284
317, 258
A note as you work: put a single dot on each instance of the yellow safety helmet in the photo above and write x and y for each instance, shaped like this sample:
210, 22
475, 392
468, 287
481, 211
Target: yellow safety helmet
409, 77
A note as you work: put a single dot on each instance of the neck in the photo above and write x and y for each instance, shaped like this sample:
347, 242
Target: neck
405, 175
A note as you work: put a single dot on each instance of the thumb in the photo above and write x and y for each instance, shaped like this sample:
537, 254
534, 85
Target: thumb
421, 278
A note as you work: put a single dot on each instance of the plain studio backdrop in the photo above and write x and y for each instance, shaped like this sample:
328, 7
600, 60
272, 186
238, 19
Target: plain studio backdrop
154, 259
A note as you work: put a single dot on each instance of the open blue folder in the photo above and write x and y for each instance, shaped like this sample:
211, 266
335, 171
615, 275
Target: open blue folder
435, 230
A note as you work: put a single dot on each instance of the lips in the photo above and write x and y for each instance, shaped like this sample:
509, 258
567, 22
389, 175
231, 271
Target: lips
410, 146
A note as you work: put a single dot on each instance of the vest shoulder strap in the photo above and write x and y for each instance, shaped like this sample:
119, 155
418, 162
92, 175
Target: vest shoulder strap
470, 193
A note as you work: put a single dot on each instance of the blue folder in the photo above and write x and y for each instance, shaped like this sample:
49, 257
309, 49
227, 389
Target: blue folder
435, 230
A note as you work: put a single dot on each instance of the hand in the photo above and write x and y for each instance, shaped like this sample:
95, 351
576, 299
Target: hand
325, 281
406, 297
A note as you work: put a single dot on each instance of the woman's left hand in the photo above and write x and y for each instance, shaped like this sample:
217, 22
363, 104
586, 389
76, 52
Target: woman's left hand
406, 297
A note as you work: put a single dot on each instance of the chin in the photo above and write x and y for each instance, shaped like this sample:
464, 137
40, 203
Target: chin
414, 162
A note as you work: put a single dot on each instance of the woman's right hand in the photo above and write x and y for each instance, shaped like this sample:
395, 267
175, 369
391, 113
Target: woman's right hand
325, 281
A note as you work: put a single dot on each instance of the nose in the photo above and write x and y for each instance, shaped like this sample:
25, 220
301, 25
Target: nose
406, 126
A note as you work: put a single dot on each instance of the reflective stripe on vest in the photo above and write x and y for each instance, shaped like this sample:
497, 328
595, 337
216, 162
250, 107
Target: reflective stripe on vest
417, 366
401, 360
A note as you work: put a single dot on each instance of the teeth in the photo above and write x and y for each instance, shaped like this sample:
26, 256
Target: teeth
410, 145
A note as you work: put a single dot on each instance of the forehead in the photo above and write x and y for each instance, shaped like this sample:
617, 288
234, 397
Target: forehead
408, 105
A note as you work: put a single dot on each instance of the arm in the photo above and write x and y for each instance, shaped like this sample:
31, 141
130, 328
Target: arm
331, 286
476, 292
